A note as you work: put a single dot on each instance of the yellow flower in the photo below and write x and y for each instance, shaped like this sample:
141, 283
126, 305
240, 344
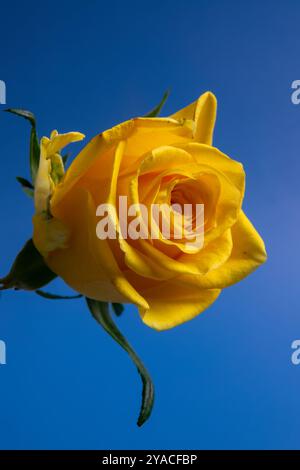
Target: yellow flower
148, 160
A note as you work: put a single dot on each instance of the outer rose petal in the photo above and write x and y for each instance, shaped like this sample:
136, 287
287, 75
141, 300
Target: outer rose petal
59, 141
186, 301
103, 258
203, 112
87, 264
248, 254
95, 160
49, 234
44, 185
100, 148
172, 303
211, 156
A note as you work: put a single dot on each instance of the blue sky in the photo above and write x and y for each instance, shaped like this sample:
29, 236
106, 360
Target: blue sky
224, 380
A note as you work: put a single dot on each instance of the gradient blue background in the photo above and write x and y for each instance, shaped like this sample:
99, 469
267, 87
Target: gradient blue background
224, 380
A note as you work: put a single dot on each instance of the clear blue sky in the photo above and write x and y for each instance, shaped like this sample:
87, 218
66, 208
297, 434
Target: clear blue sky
224, 380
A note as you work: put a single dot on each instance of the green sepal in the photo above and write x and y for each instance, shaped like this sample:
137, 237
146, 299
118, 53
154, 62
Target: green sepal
100, 312
156, 111
29, 192
23, 113
48, 295
29, 270
27, 187
57, 169
34, 149
24, 182
65, 158
117, 308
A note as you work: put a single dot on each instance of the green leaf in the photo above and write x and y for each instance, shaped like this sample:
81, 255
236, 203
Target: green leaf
29, 192
34, 150
34, 154
100, 312
48, 295
23, 113
28, 272
117, 308
156, 111
24, 182
26, 186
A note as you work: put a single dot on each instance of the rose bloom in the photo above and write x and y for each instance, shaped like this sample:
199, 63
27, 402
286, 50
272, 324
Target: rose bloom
149, 160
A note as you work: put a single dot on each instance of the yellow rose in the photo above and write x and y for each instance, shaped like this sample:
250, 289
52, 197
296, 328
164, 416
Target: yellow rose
147, 160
